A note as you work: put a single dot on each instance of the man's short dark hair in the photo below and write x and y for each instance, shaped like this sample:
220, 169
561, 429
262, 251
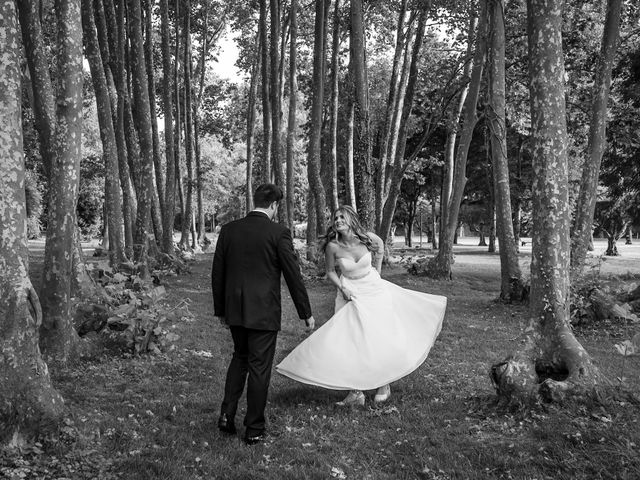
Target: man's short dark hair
266, 194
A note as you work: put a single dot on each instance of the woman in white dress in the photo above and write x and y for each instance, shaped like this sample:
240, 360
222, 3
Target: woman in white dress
379, 332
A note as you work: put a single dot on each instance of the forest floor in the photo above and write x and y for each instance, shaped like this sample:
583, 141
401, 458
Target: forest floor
154, 416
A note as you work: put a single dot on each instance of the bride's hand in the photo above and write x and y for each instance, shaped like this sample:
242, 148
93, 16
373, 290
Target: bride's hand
346, 294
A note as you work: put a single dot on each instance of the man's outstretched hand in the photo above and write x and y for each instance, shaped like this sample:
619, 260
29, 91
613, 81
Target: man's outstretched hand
310, 323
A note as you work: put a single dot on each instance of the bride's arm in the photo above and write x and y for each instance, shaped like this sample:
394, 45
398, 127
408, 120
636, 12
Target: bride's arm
330, 265
378, 246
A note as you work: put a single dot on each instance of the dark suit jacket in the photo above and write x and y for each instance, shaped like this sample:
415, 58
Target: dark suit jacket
251, 254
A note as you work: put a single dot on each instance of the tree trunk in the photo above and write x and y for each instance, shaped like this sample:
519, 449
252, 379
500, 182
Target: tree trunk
511, 277
266, 98
452, 131
29, 405
170, 159
291, 123
312, 229
315, 136
38, 62
202, 240
552, 362
58, 339
389, 113
362, 162
188, 134
440, 266
143, 123
251, 122
276, 101
333, 127
113, 201
586, 203
128, 196
349, 180
612, 246
157, 163
399, 164
434, 224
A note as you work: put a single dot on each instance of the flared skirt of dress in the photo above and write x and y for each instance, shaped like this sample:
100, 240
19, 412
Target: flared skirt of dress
382, 335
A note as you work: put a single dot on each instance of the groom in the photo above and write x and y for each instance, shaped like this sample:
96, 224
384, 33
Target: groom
251, 254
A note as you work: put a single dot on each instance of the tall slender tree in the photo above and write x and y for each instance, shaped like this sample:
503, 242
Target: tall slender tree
251, 120
170, 160
266, 95
113, 199
291, 124
586, 204
333, 127
143, 122
362, 162
315, 136
511, 277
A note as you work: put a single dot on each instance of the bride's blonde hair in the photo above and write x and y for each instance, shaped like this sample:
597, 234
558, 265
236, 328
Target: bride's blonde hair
351, 216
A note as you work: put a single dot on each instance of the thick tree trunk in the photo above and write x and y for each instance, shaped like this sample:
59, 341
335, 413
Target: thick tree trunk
266, 98
511, 277
58, 339
170, 161
362, 161
291, 123
440, 266
333, 126
143, 123
315, 136
28, 403
586, 203
552, 362
113, 200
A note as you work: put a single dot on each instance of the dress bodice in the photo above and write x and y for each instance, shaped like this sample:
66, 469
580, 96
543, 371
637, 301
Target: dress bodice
353, 268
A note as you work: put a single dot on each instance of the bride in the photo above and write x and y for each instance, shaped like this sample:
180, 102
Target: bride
379, 332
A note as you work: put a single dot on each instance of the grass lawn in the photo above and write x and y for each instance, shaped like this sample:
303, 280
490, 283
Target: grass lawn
155, 416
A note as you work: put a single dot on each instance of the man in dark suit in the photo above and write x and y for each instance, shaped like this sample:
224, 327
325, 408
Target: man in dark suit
251, 254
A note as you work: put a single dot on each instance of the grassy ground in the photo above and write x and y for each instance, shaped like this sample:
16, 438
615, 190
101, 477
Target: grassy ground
155, 416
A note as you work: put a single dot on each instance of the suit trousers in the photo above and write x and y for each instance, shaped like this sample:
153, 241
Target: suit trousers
253, 352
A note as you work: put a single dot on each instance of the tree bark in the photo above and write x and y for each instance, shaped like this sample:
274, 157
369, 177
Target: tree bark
333, 127
511, 277
143, 122
58, 339
113, 200
552, 363
453, 128
291, 123
170, 159
399, 163
440, 266
158, 172
276, 101
187, 217
266, 97
586, 203
29, 405
362, 162
381, 179
315, 136
251, 122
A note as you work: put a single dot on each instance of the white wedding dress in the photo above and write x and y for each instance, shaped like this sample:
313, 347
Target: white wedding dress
384, 333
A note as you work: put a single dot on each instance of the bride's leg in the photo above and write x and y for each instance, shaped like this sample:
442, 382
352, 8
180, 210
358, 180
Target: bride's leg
354, 398
382, 394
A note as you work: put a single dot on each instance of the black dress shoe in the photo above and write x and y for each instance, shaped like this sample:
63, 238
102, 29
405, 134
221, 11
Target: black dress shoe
225, 424
255, 439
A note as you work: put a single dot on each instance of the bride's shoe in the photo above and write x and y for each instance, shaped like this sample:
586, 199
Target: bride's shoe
382, 394
354, 399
